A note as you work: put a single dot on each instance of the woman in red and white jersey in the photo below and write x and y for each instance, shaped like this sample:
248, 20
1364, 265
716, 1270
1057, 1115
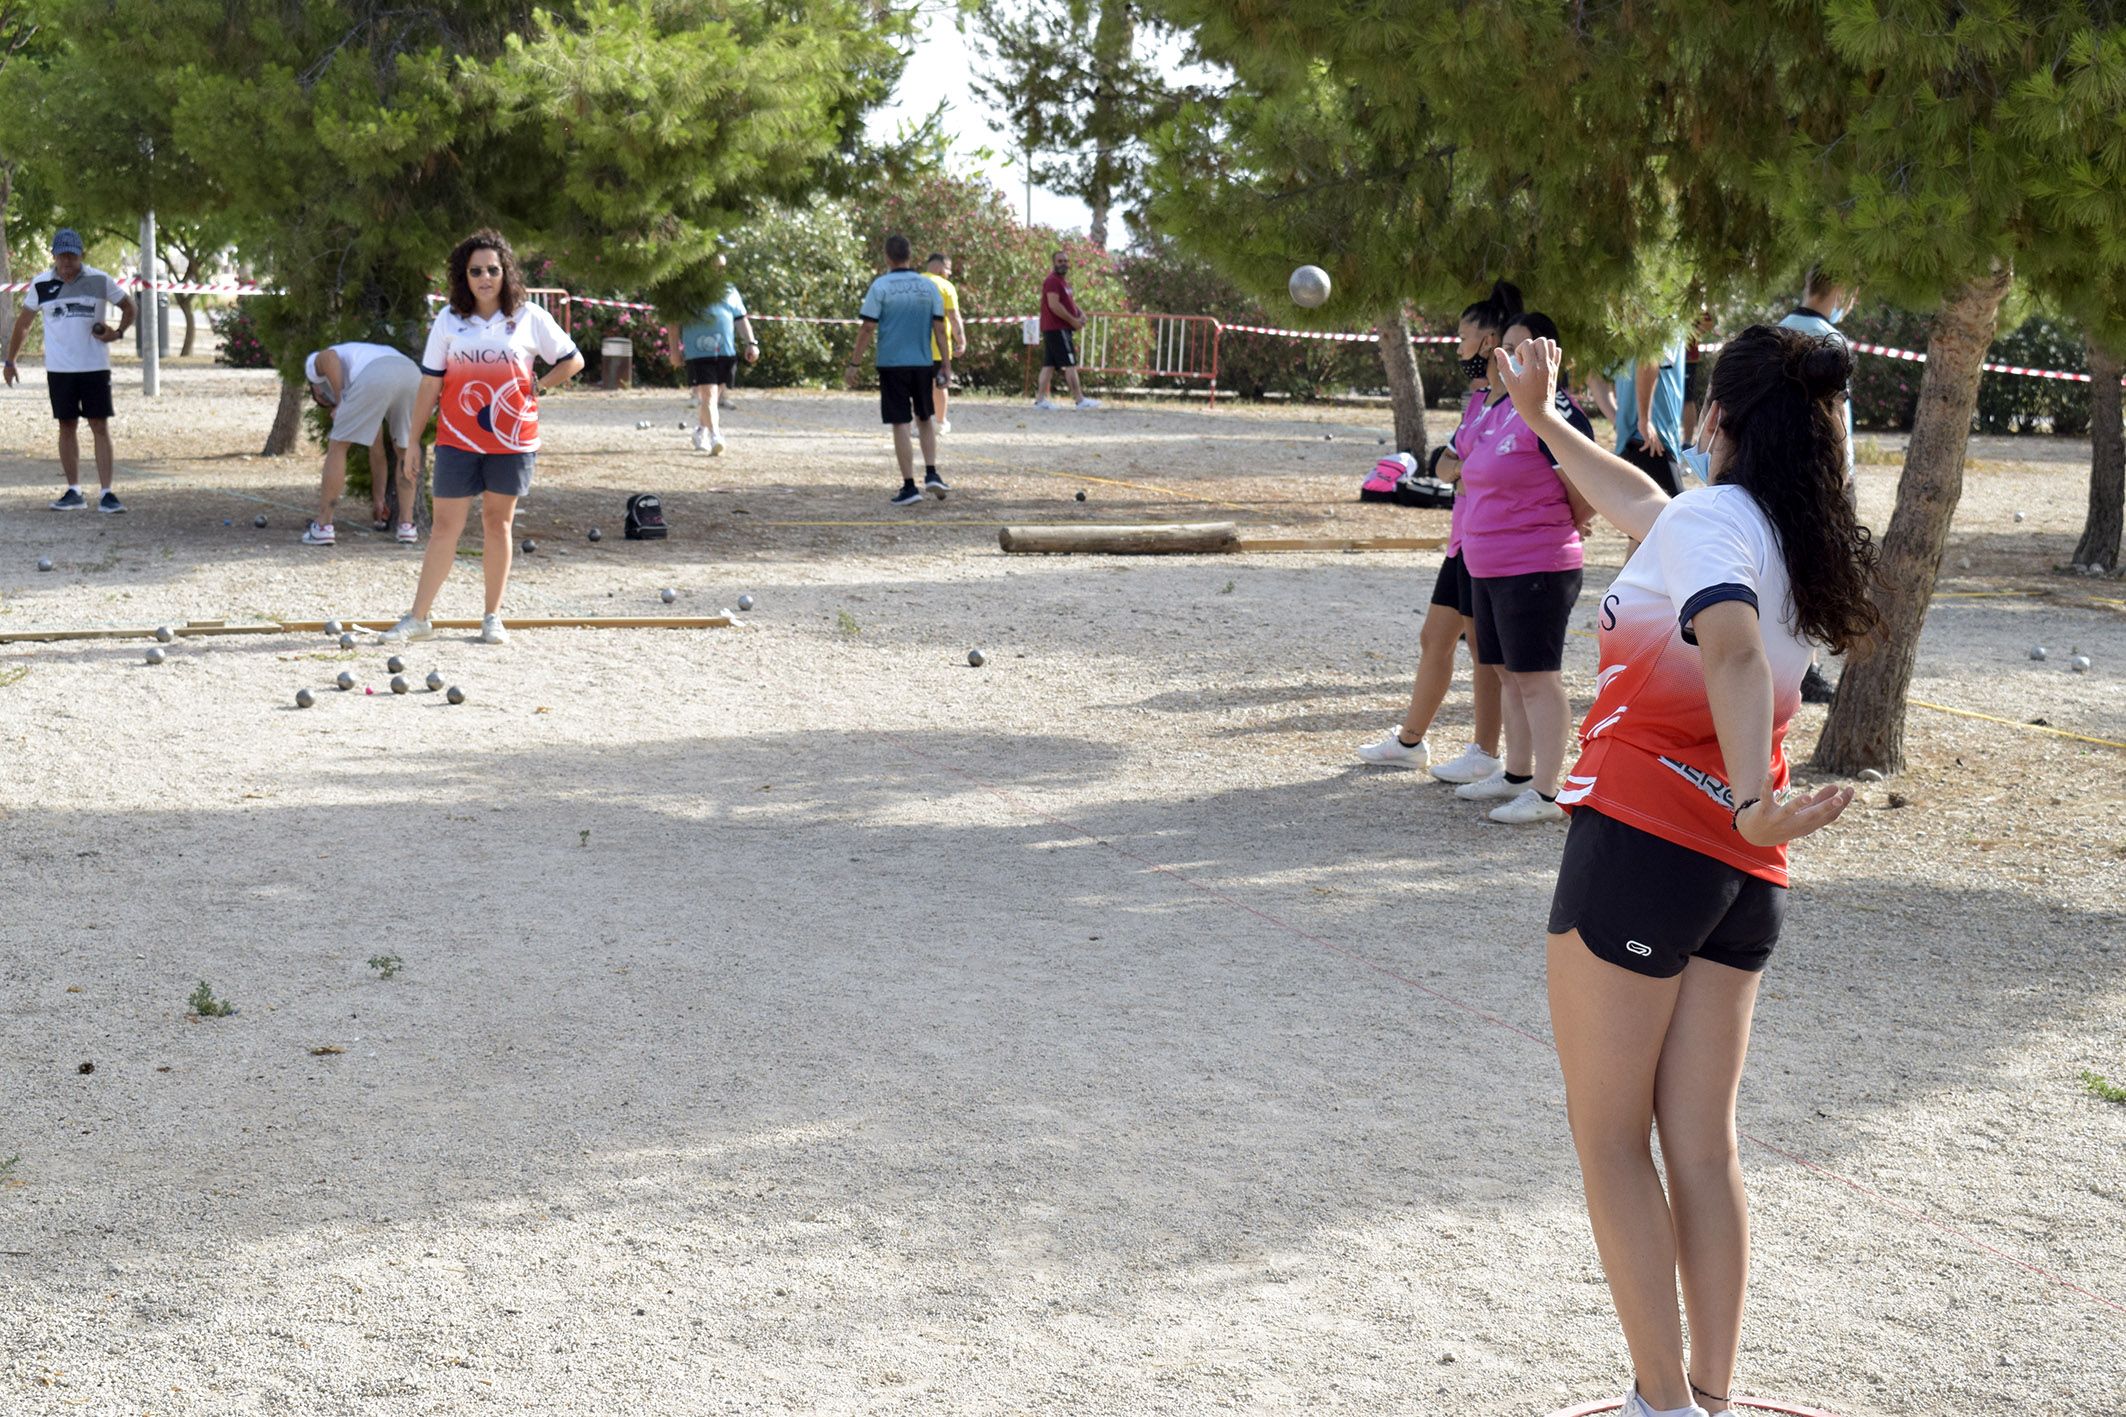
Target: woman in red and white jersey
477, 377
1705, 635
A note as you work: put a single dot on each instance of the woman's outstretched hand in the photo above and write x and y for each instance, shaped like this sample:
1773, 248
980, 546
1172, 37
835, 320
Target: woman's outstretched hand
1775, 821
1534, 384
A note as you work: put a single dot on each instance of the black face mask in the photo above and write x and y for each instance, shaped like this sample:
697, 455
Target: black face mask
1475, 365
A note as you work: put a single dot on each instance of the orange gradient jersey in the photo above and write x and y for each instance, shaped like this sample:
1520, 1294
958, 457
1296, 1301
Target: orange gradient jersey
1649, 756
490, 399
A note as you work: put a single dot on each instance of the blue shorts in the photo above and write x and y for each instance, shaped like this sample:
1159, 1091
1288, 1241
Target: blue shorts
460, 472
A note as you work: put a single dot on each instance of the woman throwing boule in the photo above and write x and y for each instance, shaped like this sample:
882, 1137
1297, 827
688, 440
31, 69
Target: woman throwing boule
1682, 780
477, 378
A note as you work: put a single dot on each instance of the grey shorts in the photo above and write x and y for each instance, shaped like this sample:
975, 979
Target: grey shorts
382, 397
461, 472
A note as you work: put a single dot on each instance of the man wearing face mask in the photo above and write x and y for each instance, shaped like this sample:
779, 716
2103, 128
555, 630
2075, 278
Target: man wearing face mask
1824, 302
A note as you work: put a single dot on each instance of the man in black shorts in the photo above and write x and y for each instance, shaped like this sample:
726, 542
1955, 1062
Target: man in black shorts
906, 313
77, 360
1061, 319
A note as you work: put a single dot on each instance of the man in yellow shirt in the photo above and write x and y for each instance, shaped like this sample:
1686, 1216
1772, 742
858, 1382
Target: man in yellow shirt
939, 269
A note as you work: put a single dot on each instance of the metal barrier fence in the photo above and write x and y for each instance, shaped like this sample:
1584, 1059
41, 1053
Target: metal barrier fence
1150, 346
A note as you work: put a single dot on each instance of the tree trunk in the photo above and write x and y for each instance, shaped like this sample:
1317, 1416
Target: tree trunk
184, 305
1114, 36
1866, 727
2107, 464
1406, 388
287, 422
7, 265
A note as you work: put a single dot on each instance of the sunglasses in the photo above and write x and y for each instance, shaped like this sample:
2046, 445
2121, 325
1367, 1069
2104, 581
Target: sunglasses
483, 270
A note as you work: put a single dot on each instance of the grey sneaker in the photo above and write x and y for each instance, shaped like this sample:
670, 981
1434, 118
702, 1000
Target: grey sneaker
109, 502
493, 631
70, 500
406, 631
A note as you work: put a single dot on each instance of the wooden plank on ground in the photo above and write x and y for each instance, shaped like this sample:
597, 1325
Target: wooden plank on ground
203, 629
1163, 539
1340, 543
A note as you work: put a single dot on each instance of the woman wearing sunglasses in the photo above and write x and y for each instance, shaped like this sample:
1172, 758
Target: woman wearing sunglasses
477, 377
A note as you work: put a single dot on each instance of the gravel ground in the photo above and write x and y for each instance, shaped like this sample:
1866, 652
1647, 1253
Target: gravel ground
792, 1018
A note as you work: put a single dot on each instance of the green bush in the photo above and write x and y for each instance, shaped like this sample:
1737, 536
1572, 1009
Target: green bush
241, 347
803, 260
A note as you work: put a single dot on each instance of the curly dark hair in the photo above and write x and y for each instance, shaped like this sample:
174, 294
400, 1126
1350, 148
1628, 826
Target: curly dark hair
485, 239
1780, 394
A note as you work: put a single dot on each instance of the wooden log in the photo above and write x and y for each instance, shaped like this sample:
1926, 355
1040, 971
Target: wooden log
1340, 543
202, 629
1156, 540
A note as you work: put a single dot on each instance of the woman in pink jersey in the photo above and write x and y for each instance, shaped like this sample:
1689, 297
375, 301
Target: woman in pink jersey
1681, 786
1447, 622
477, 378
1521, 540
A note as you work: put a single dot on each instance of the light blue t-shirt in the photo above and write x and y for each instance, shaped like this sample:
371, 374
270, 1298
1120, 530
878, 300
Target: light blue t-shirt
710, 334
1667, 410
1809, 322
903, 303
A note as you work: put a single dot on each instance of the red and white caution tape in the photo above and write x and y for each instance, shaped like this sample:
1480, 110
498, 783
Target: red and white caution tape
174, 287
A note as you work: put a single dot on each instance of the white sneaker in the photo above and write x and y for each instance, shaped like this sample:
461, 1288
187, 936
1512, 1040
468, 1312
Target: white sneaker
1530, 806
1493, 787
493, 631
701, 439
1637, 1406
408, 533
1474, 765
1393, 752
944, 425
715, 447
315, 535
406, 631
1088, 403
1044, 404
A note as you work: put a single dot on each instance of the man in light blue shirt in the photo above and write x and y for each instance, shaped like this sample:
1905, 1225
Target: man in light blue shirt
905, 312
1824, 302
709, 345
1650, 417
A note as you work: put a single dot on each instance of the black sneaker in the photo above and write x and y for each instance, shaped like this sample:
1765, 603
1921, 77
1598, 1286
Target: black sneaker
936, 486
908, 496
109, 502
70, 501
1815, 689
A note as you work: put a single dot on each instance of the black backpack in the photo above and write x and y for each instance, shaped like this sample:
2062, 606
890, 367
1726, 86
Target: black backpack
645, 518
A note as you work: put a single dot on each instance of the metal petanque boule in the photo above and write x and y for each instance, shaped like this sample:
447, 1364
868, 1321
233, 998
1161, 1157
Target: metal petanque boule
2038, 651
1309, 286
346, 640
456, 695
333, 627
304, 698
345, 681
668, 595
395, 664
2079, 664
976, 658
155, 655
1870, 775
530, 546
434, 681
1081, 494
2018, 516
259, 521
44, 563
164, 634
596, 535
399, 684
745, 602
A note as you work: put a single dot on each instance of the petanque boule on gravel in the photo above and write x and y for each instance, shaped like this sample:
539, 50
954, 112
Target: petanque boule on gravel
155, 655
164, 634
1081, 495
304, 698
530, 546
44, 563
395, 664
668, 595
1870, 775
259, 520
345, 681
399, 684
456, 695
2038, 651
976, 658
334, 627
346, 640
596, 535
2079, 664
745, 602
434, 681
2018, 516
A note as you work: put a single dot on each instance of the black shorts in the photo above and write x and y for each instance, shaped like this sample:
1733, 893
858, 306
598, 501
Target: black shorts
461, 472
77, 396
1453, 589
1058, 349
1521, 620
1704, 908
904, 393
712, 369
1693, 381
1666, 469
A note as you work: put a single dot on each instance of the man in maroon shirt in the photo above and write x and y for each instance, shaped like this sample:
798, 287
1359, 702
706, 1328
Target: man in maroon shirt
1060, 318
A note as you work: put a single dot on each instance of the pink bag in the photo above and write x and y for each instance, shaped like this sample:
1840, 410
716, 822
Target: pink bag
1380, 486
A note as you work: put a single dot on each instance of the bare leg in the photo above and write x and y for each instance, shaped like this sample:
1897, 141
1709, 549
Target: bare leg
100, 435
498, 515
939, 396
904, 450
926, 433
1609, 1024
70, 452
1543, 704
409, 480
1694, 1102
1435, 670
1485, 693
1043, 380
1520, 752
711, 401
334, 480
1076, 391
451, 514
